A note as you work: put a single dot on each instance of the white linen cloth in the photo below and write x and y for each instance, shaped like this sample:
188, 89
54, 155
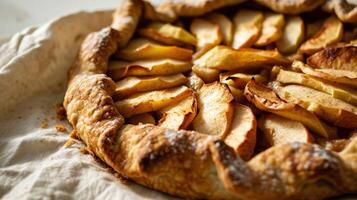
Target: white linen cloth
34, 164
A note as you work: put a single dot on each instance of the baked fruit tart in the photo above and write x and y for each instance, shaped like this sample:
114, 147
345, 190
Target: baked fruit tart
223, 99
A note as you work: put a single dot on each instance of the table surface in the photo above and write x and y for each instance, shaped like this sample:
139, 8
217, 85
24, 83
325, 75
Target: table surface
16, 15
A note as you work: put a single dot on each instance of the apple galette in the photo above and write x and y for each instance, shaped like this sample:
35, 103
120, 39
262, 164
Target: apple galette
223, 99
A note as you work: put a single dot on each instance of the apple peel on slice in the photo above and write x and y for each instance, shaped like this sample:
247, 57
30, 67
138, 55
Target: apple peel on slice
265, 99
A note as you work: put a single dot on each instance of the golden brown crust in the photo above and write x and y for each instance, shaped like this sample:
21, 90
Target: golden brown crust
170, 10
168, 160
291, 6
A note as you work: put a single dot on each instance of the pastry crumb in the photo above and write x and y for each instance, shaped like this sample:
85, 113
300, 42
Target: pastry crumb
61, 128
44, 123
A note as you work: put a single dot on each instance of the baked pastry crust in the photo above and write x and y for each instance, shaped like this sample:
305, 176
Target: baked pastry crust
167, 160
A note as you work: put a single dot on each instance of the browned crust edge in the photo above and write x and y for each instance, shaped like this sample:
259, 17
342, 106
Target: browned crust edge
186, 163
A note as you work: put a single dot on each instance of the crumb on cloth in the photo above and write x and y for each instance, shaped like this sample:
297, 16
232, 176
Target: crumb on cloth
61, 128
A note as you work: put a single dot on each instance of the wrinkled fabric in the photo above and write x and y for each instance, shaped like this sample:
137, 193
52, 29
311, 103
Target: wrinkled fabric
34, 164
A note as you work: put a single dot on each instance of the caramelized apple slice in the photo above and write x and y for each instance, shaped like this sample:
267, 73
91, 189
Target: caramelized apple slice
120, 69
215, 110
330, 33
236, 93
151, 101
266, 99
168, 34
208, 75
248, 25
144, 118
179, 116
194, 81
339, 76
239, 80
207, 33
225, 25
279, 130
226, 58
141, 49
242, 137
323, 105
131, 85
272, 29
293, 35
337, 91
342, 58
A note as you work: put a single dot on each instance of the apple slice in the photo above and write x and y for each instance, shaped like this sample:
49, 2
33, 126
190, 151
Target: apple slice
342, 58
323, 105
144, 118
313, 27
272, 30
215, 110
248, 25
239, 80
226, 58
131, 85
293, 35
207, 33
168, 34
208, 75
179, 116
120, 69
330, 33
151, 101
141, 49
339, 76
225, 25
242, 137
337, 91
194, 81
279, 130
236, 93
266, 99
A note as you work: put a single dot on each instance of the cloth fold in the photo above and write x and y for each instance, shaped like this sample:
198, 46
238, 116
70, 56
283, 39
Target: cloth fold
34, 164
